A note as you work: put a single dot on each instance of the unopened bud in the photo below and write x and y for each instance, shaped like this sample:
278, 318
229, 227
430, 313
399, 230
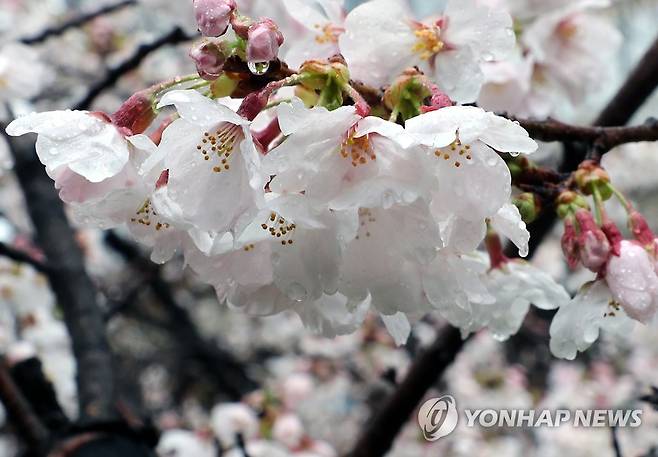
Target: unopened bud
136, 114
590, 175
209, 59
569, 243
407, 93
264, 40
593, 243
529, 206
640, 228
569, 202
213, 16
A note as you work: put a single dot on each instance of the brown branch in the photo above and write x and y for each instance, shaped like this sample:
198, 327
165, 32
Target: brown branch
73, 288
20, 256
227, 372
638, 87
28, 425
601, 138
378, 436
77, 22
175, 36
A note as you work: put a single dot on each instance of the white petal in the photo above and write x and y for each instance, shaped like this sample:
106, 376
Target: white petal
576, 325
437, 129
89, 146
200, 110
506, 136
508, 223
459, 74
398, 326
378, 41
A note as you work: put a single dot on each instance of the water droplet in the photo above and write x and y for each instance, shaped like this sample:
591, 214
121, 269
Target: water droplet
258, 68
297, 292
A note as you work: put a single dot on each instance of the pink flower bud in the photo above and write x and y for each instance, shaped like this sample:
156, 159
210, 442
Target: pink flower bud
213, 16
570, 243
136, 114
209, 60
594, 247
640, 228
614, 237
264, 41
633, 281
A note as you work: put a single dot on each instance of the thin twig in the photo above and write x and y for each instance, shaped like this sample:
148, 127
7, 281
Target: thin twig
175, 36
378, 436
76, 22
28, 425
23, 257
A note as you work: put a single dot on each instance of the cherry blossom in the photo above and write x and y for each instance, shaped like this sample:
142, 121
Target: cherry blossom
322, 28
459, 144
382, 39
213, 164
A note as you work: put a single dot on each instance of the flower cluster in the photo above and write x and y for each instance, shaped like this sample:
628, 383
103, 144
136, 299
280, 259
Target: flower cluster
305, 191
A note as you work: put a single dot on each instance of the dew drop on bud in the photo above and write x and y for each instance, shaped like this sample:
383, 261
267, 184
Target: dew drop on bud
297, 292
258, 68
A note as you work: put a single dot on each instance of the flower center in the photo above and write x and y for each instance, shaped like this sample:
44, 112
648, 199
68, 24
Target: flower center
428, 41
365, 219
218, 146
279, 228
567, 29
613, 308
147, 217
327, 33
456, 152
358, 150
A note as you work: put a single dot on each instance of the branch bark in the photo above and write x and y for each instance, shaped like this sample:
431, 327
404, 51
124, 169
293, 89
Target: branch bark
76, 22
175, 36
28, 425
226, 371
73, 288
23, 257
381, 431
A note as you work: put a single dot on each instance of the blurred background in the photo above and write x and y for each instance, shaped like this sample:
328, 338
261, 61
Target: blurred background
186, 361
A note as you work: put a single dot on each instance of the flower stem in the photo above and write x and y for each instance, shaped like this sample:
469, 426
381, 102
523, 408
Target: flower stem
599, 210
362, 106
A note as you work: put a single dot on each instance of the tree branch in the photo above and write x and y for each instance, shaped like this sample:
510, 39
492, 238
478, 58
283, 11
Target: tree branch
23, 257
175, 36
77, 22
380, 433
73, 288
28, 425
638, 87
222, 366
601, 138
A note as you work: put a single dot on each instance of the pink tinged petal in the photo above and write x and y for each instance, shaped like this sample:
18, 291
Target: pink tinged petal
89, 146
633, 281
506, 136
213, 16
508, 223
398, 327
378, 41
